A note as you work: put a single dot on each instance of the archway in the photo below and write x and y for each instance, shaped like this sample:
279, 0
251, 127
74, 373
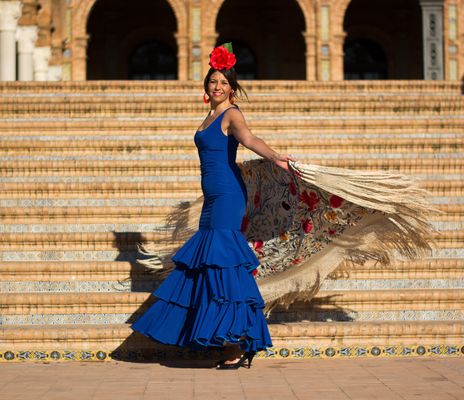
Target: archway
387, 34
152, 60
121, 34
260, 31
364, 60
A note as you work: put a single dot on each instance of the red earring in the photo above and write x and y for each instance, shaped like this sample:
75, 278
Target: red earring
205, 98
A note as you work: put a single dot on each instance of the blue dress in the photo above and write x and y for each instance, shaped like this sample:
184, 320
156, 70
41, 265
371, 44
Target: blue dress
211, 296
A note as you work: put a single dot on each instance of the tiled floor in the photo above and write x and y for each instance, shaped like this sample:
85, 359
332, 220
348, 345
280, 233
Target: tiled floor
326, 379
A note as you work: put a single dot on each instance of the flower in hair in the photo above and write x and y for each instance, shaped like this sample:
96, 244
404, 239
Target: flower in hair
222, 57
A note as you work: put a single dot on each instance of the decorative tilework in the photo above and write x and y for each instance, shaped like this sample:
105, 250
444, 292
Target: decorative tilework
374, 351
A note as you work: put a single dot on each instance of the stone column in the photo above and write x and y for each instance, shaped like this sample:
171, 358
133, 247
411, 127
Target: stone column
10, 12
79, 57
182, 57
55, 73
310, 40
337, 56
26, 36
207, 45
432, 33
41, 57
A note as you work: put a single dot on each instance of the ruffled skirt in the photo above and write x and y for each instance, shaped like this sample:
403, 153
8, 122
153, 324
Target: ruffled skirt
210, 297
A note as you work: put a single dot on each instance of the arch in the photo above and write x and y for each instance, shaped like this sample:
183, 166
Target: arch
306, 7
80, 36
212, 12
395, 25
379, 36
280, 51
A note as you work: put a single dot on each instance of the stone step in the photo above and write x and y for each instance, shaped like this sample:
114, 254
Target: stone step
173, 147
270, 123
267, 87
100, 342
183, 166
191, 106
120, 212
342, 305
56, 253
125, 241
186, 134
123, 270
181, 137
157, 223
192, 99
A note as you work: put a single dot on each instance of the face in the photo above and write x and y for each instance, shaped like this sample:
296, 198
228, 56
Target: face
219, 88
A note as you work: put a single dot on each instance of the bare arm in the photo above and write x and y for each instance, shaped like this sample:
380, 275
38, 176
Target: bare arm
239, 128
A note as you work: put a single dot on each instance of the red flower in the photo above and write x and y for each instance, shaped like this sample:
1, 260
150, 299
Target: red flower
254, 272
258, 246
245, 223
257, 199
295, 261
221, 58
332, 231
306, 225
292, 188
335, 201
311, 199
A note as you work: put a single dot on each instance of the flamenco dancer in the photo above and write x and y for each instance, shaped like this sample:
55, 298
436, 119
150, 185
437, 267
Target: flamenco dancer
211, 298
298, 227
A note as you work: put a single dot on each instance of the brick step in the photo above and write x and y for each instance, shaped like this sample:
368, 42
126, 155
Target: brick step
190, 167
322, 124
191, 185
82, 342
183, 138
91, 307
154, 107
347, 88
91, 271
192, 100
309, 146
186, 134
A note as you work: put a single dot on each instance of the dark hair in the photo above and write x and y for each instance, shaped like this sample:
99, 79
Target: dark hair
231, 76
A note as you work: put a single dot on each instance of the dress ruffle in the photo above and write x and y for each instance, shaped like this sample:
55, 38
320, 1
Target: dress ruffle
210, 297
224, 248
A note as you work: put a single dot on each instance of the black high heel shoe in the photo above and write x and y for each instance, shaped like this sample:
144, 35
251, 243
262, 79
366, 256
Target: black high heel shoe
248, 355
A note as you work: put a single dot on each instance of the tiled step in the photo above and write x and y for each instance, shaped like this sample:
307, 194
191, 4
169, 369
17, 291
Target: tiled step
120, 276
125, 241
117, 307
70, 224
291, 340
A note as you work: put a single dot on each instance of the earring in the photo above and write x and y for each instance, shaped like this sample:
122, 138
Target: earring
231, 98
205, 98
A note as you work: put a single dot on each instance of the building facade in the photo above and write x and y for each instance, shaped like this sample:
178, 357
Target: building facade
325, 40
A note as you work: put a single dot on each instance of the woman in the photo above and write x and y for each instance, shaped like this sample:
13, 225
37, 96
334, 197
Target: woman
211, 298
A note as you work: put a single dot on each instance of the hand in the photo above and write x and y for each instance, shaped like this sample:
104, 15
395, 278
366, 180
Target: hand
282, 160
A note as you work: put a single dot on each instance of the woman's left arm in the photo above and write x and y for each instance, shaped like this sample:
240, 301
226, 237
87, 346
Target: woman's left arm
239, 128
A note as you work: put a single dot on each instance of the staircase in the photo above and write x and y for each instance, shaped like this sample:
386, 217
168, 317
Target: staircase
87, 169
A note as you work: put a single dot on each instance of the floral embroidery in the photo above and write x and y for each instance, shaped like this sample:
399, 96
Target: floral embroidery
287, 220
